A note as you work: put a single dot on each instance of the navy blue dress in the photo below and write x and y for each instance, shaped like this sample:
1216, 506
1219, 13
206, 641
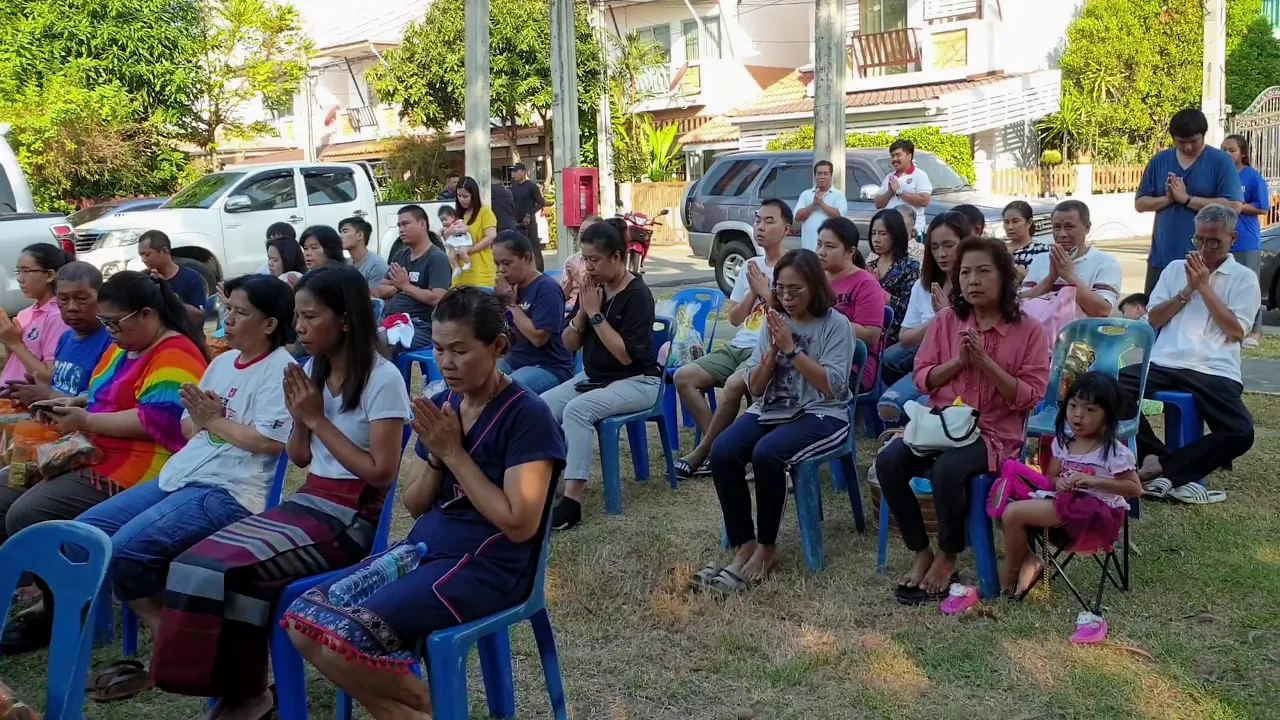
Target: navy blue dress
470, 570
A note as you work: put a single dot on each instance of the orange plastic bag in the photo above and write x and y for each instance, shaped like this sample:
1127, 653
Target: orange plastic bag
25, 439
11, 708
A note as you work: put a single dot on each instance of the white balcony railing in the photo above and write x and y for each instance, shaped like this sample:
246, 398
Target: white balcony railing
949, 9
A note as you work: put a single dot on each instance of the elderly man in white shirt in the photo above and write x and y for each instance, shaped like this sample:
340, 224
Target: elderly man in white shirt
1202, 307
817, 204
907, 184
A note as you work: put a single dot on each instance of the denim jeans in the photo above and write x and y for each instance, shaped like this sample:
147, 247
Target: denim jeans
896, 361
150, 527
895, 397
537, 379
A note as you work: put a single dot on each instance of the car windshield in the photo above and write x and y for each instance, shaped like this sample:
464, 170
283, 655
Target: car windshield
89, 214
942, 177
204, 192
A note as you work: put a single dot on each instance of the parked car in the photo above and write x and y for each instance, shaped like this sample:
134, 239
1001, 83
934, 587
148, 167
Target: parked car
720, 207
114, 207
21, 225
218, 224
1269, 278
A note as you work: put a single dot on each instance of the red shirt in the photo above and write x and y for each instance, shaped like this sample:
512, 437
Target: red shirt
861, 299
1020, 348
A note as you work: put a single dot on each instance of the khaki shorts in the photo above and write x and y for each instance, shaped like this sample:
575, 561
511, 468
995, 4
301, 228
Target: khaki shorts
723, 363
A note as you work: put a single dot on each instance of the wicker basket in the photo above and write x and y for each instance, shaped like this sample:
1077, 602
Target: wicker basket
926, 510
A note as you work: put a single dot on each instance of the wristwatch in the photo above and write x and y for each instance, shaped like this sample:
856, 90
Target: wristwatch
898, 192
791, 355
596, 319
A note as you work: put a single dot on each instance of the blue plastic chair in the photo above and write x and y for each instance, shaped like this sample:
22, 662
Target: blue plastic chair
379, 306
1115, 342
978, 536
708, 301
872, 424
426, 360
555, 274
41, 550
609, 430
212, 304
1182, 423
129, 620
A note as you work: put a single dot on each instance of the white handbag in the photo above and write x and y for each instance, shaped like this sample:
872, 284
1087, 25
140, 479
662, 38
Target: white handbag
932, 430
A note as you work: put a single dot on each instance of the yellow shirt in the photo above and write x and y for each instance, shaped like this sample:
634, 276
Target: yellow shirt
482, 272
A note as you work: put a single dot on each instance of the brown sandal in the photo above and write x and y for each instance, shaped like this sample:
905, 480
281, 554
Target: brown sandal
119, 681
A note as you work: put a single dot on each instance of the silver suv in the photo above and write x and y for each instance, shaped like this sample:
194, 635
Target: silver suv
719, 208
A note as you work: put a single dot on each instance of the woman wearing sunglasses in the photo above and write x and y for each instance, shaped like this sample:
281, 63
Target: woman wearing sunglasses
132, 413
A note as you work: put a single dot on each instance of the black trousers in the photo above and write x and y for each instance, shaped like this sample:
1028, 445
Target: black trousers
1220, 406
896, 465
531, 231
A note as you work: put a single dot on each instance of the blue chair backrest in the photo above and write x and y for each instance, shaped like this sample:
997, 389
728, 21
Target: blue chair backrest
859, 360
40, 550
1116, 343
708, 301
379, 305
663, 328
554, 274
382, 536
277, 483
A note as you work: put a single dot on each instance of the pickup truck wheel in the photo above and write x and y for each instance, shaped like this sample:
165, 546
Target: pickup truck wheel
731, 261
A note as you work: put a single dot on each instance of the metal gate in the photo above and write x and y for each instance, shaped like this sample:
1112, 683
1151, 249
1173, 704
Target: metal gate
1260, 124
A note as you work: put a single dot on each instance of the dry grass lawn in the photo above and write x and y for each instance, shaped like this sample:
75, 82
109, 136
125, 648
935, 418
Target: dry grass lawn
1198, 637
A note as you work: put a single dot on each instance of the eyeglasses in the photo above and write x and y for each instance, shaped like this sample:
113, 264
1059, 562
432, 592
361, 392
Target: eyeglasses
113, 326
789, 291
28, 271
1208, 242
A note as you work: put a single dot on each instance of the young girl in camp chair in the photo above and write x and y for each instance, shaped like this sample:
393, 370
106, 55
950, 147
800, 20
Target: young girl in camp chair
1092, 473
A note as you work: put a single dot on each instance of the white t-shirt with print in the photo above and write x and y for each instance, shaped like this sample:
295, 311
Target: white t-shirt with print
809, 228
1096, 269
913, 181
919, 306
251, 394
384, 397
750, 329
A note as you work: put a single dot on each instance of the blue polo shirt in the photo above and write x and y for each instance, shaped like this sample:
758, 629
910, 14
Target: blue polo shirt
1249, 227
543, 302
1212, 175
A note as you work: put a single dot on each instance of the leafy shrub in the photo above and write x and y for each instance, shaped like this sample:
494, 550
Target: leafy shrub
1051, 157
954, 150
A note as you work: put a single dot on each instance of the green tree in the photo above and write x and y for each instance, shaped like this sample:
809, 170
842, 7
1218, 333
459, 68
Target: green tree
247, 50
1129, 65
630, 56
416, 167
954, 150
426, 74
1253, 65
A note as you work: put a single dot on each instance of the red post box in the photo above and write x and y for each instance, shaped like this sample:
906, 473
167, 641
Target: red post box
581, 194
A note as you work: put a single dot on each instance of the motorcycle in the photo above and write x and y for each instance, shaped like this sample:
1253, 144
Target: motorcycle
639, 233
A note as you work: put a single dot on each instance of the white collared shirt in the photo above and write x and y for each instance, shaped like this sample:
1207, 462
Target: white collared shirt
914, 180
1192, 340
809, 228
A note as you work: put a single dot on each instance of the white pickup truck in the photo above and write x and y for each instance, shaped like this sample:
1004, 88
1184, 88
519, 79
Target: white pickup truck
218, 224
21, 225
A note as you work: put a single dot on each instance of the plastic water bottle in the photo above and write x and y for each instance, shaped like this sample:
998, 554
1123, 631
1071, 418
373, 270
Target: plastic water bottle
386, 569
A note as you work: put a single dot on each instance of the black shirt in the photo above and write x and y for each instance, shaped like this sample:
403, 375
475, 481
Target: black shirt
429, 271
504, 207
630, 313
189, 287
528, 199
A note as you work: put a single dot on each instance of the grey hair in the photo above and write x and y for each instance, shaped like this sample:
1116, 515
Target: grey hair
1217, 214
79, 270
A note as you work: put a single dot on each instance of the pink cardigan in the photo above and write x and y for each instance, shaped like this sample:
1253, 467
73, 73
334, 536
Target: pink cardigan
1020, 348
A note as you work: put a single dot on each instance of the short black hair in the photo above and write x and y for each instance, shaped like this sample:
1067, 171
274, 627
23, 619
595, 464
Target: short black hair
273, 298
906, 145
415, 210
821, 297
77, 270
1135, 299
361, 225
605, 238
787, 216
157, 240
516, 242
973, 215
1076, 205
820, 163
1188, 123
281, 229
451, 174
328, 240
449, 210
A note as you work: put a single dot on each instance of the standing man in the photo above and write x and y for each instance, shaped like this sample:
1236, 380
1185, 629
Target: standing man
907, 184
529, 202
1179, 182
156, 252
450, 191
504, 207
817, 204
355, 232
419, 276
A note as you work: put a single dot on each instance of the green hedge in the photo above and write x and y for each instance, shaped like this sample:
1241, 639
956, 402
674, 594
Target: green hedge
954, 150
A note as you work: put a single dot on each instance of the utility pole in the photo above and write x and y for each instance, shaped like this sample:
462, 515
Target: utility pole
1214, 81
309, 101
604, 117
828, 96
477, 88
564, 112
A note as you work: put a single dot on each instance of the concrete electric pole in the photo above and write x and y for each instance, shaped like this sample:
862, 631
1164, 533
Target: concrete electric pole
828, 96
1213, 87
477, 118
604, 115
564, 113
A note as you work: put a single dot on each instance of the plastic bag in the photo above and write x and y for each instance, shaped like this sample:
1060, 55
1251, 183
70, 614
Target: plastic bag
665, 308
686, 345
1054, 311
11, 708
65, 454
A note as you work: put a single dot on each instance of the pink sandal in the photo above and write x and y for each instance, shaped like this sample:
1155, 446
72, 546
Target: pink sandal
959, 598
1090, 629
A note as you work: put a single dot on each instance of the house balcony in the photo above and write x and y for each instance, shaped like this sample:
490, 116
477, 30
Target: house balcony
942, 40
362, 117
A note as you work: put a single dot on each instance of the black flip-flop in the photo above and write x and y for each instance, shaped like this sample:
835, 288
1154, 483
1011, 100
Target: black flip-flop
685, 471
919, 596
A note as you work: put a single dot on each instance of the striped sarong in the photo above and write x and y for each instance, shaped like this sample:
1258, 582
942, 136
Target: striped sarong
216, 620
